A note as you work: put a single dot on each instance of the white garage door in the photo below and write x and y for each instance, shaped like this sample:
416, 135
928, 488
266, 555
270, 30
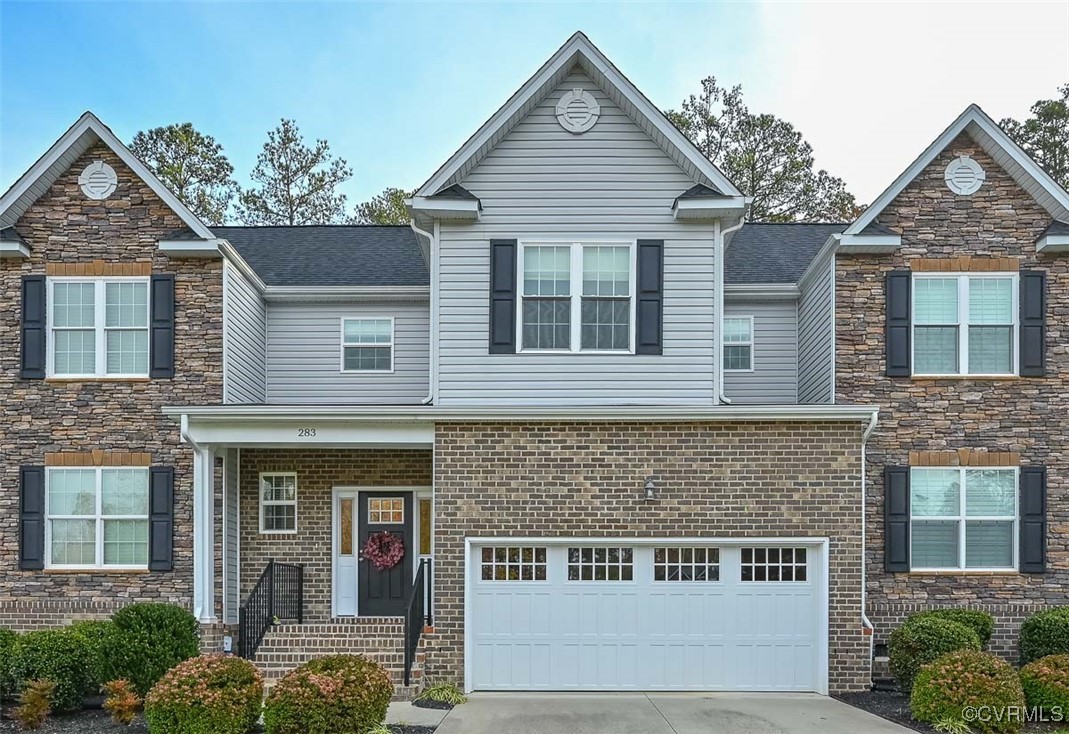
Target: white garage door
620, 616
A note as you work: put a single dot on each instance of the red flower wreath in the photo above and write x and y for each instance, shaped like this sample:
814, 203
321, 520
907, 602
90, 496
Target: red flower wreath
384, 550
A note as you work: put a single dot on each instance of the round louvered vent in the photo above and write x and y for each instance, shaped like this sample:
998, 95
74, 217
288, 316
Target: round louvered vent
577, 111
964, 176
98, 180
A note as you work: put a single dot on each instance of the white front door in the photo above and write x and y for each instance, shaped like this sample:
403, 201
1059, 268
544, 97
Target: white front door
346, 554
615, 615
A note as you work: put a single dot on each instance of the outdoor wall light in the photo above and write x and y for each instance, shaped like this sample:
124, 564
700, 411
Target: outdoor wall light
651, 489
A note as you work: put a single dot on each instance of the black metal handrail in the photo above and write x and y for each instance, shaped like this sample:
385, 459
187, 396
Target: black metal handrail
278, 594
415, 615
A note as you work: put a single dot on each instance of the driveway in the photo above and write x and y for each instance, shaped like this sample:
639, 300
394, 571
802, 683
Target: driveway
660, 713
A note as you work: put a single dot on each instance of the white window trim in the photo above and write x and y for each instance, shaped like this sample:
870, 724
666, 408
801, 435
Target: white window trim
277, 503
99, 517
100, 316
963, 323
575, 293
391, 345
962, 517
750, 343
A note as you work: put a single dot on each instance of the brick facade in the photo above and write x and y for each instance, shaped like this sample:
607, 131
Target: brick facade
69, 232
1021, 419
737, 480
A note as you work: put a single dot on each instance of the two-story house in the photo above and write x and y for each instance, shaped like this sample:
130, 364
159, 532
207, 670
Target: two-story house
608, 436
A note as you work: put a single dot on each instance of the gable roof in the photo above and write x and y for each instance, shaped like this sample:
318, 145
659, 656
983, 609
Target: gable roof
578, 50
85, 132
775, 253
996, 143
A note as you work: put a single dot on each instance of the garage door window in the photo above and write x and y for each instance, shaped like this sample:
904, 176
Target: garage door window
773, 564
600, 564
686, 564
514, 563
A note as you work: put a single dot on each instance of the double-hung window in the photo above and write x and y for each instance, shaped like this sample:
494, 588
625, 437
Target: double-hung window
99, 327
965, 324
738, 344
97, 518
577, 297
963, 518
367, 345
278, 502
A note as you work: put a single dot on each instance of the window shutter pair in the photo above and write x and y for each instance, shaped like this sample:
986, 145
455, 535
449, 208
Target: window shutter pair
32, 518
504, 278
1031, 520
34, 329
1031, 319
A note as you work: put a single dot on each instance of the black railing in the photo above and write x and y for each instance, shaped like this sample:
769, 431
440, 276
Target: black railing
278, 594
416, 615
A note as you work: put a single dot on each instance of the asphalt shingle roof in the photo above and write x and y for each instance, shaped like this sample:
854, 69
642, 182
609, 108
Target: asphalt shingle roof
775, 253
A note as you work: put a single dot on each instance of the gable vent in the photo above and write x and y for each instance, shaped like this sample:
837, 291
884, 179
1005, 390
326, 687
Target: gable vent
577, 111
98, 180
964, 176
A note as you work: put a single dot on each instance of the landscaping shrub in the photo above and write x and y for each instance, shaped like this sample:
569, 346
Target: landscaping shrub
97, 637
968, 678
7, 650
148, 640
121, 702
35, 704
56, 655
339, 694
1046, 682
210, 694
979, 621
920, 640
1045, 633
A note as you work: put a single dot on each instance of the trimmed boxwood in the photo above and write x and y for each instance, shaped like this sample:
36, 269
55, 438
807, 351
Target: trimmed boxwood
97, 636
7, 650
338, 694
210, 694
975, 619
1045, 633
1046, 682
920, 640
59, 656
149, 639
945, 687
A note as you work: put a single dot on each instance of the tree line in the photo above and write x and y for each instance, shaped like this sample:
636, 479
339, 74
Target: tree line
296, 182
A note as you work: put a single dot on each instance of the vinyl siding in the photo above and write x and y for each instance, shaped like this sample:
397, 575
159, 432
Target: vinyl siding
544, 183
775, 354
244, 328
304, 355
816, 368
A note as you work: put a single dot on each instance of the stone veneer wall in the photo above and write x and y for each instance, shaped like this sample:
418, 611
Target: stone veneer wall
318, 472
1025, 415
585, 479
39, 416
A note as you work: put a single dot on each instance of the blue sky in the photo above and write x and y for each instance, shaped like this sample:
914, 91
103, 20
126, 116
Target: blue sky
396, 88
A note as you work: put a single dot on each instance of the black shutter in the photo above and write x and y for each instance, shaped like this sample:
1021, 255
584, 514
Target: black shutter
897, 329
34, 333
161, 327
896, 519
1033, 504
161, 518
650, 306
31, 518
502, 296
1033, 313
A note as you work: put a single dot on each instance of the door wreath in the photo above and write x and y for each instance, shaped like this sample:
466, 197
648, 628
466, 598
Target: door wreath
385, 550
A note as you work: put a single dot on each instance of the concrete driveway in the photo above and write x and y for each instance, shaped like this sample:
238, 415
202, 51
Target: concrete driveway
660, 713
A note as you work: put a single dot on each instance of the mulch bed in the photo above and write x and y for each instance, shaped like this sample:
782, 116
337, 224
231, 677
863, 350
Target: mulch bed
427, 703
890, 705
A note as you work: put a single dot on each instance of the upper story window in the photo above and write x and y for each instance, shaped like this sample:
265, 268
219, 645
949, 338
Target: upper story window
738, 344
577, 297
965, 324
99, 327
97, 518
367, 345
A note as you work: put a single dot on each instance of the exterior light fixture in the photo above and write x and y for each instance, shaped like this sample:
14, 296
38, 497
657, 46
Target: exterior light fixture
650, 489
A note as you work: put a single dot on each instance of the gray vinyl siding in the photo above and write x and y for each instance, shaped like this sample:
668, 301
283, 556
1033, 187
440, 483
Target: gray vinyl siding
231, 569
816, 334
774, 378
304, 355
544, 183
244, 329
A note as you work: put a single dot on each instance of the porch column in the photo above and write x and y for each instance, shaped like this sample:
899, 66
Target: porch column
203, 534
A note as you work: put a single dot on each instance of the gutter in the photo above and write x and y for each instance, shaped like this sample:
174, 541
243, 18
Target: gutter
432, 267
866, 623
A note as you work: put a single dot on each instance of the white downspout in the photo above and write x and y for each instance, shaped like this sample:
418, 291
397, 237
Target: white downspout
432, 267
865, 621
720, 238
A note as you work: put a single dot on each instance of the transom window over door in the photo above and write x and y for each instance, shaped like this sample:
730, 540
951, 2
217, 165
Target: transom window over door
963, 518
965, 325
97, 518
99, 327
585, 284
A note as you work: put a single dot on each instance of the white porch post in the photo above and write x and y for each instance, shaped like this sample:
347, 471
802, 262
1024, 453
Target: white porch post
203, 534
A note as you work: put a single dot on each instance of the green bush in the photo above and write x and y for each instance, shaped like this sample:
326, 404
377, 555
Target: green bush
210, 694
1045, 633
148, 640
1046, 682
339, 694
921, 640
982, 623
968, 678
59, 656
7, 649
98, 641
